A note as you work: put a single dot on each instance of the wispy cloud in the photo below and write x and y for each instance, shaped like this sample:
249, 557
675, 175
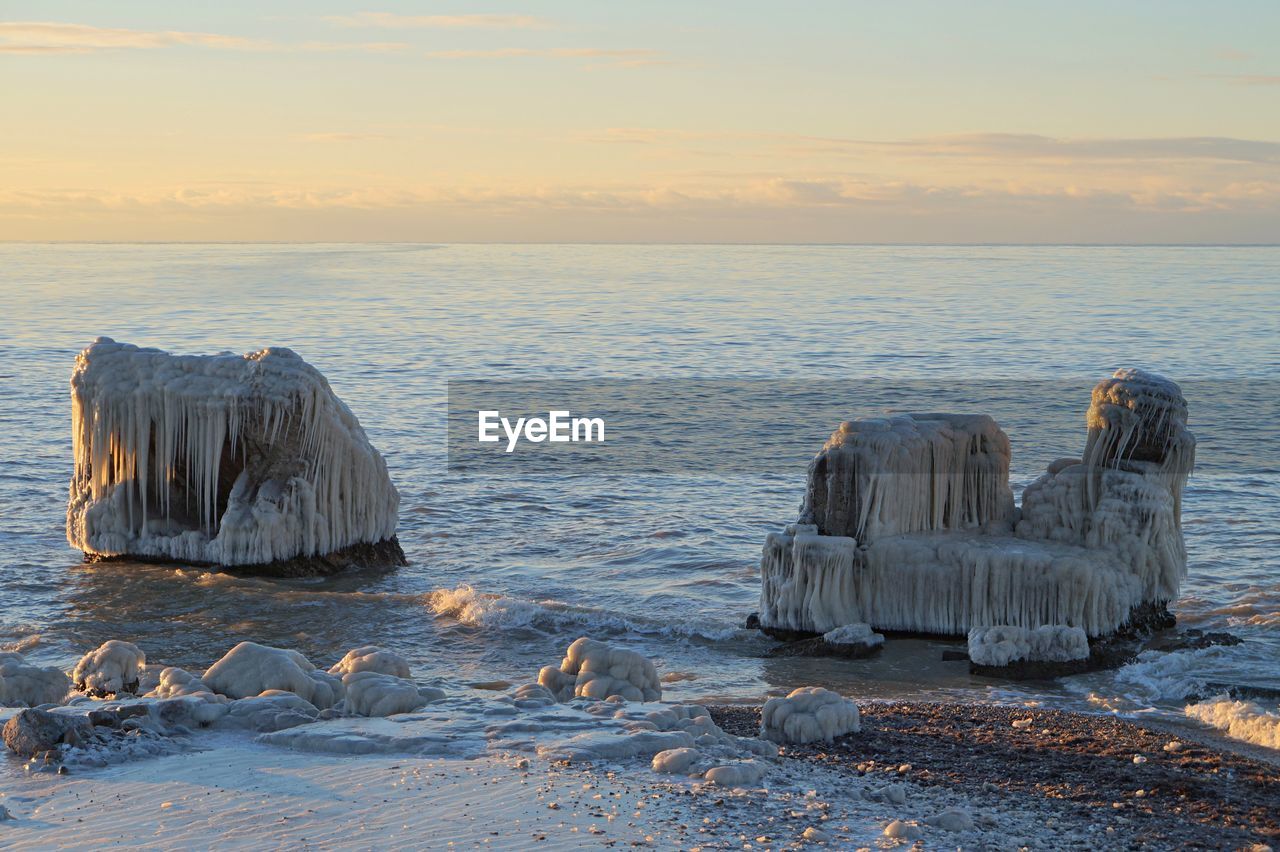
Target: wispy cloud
46, 37
1248, 79
392, 21
627, 57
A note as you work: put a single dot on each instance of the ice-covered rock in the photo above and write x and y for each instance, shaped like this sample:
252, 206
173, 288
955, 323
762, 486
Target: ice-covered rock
595, 670
371, 693
675, 761
22, 684
111, 668
250, 669
273, 710
1002, 645
371, 658
175, 682
909, 524
809, 714
745, 773
223, 459
952, 819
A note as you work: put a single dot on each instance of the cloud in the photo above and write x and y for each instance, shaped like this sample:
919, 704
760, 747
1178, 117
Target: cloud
44, 37
1248, 79
631, 57
392, 21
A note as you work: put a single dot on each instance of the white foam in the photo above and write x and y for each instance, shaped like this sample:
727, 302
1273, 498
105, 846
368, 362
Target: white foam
1240, 720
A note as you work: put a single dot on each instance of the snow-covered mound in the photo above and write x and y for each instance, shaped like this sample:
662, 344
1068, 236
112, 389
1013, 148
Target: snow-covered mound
25, 685
371, 658
595, 670
251, 669
114, 666
221, 459
1050, 643
909, 524
809, 714
371, 693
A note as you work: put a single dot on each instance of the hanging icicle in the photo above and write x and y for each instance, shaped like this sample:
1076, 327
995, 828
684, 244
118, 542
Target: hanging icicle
218, 459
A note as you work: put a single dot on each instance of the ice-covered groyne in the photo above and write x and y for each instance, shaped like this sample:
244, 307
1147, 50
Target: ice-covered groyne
909, 523
223, 459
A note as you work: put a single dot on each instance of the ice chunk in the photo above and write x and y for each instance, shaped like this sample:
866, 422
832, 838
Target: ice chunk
809, 714
676, 761
250, 669
22, 684
273, 710
853, 634
111, 668
1001, 645
220, 459
745, 773
176, 682
371, 693
595, 670
371, 658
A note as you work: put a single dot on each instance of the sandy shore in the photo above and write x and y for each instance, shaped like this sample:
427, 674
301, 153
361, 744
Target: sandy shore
1062, 780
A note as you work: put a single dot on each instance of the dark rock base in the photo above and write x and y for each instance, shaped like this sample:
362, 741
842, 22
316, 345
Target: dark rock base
361, 556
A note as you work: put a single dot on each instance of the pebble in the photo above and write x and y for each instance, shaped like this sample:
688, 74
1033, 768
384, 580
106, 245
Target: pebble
900, 830
815, 835
1022, 723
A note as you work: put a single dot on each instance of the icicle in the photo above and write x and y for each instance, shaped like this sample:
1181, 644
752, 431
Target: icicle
146, 423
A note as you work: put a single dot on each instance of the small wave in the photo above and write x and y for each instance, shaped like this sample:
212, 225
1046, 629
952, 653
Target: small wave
490, 611
1240, 720
1160, 676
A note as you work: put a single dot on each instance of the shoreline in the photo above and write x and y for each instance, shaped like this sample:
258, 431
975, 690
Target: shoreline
1067, 780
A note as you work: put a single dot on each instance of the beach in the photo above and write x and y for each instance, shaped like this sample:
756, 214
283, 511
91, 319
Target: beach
1064, 781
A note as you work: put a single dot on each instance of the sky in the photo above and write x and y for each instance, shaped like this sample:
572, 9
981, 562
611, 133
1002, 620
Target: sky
536, 121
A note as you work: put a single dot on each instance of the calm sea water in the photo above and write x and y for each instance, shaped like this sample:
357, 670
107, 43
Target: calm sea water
506, 571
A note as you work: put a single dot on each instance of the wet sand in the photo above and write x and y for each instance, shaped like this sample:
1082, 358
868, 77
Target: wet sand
1081, 771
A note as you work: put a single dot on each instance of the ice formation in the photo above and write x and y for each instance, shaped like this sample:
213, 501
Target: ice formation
909, 523
112, 667
176, 682
220, 459
853, 634
809, 714
371, 693
595, 670
22, 684
251, 669
1052, 643
371, 658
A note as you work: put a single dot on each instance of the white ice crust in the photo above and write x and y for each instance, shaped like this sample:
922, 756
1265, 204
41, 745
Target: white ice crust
809, 714
161, 441
109, 668
251, 669
371, 693
371, 658
909, 523
593, 669
25, 685
853, 634
1002, 645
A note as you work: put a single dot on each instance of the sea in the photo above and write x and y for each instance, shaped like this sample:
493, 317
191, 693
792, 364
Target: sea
508, 565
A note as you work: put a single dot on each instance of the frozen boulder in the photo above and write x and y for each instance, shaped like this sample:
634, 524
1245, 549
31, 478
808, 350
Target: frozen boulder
371, 658
251, 669
1002, 645
909, 524
595, 670
746, 773
676, 761
22, 684
238, 461
273, 710
809, 714
371, 693
113, 667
